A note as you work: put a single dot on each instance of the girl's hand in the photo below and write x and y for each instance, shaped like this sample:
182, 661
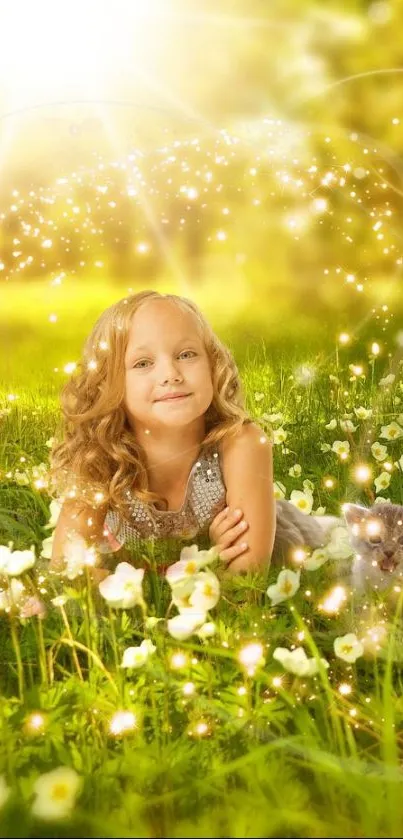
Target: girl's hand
224, 529
98, 574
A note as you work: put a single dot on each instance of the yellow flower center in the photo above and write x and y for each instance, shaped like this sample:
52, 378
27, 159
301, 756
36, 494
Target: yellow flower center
191, 567
347, 648
60, 792
287, 587
208, 589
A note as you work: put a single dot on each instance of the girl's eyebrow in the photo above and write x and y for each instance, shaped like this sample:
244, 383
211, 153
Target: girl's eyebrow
181, 341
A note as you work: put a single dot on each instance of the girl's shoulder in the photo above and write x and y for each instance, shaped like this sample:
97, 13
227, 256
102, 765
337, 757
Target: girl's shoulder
248, 439
249, 433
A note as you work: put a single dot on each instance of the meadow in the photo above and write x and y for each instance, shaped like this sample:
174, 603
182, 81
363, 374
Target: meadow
208, 732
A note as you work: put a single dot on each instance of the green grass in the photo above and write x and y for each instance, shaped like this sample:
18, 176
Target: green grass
286, 755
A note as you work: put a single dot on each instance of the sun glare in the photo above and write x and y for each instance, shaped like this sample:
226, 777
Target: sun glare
51, 50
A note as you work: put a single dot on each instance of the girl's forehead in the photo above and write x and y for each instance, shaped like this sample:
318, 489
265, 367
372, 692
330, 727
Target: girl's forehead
150, 318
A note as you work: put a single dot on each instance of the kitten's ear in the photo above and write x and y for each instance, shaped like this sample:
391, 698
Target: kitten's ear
354, 513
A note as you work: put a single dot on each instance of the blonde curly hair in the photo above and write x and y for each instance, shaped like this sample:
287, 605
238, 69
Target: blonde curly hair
95, 457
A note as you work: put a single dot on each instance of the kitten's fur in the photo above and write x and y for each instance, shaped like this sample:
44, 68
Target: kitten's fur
378, 560
295, 529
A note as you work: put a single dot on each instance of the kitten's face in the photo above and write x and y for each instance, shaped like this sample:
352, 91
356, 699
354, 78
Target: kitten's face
376, 534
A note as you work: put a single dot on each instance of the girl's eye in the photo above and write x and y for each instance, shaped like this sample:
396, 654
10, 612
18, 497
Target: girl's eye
375, 540
185, 352
143, 360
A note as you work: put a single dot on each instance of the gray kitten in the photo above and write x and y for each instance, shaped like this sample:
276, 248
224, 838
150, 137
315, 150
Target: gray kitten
295, 529
376, 536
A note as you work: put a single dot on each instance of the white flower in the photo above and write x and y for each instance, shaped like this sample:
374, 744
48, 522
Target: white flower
207, 630
33, 606
151, 622
348, 647
279, 490
308, 486
56, 793
13, 595
60, 600
273, 417
21, 478
342, 448
325, 447
137, 656
76, 556
331, 425
279, 435
339, 546
295, 471
381, 500
180, 593
191, 561
379, 452
302, 500
55, 510
123, 589
206, 592
347, 425
317, 558
49, 443
286, 586
391, 431
184, 625
363, 413
47, 547
297, 662
14, 563
388, 380
382, 481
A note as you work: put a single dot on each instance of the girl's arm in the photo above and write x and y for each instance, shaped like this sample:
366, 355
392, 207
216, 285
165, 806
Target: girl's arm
80, 520
248, 476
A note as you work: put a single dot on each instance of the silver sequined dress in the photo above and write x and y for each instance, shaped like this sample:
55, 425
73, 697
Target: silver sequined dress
205, 497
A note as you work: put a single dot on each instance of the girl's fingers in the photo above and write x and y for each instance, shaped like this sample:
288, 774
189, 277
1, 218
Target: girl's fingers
228, 554
229, 536
220, 516
227, 525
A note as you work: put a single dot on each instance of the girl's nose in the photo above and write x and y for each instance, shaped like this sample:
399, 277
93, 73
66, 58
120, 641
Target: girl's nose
174, 377
389, 552
169, 373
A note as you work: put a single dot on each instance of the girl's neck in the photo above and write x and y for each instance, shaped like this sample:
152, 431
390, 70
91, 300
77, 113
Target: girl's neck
171, 457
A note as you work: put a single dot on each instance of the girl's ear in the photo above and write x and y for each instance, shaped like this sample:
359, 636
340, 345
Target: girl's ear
354, 513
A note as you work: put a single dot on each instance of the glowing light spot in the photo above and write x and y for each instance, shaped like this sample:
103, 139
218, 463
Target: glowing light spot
363, 473
178, 660
122, 721
334, 600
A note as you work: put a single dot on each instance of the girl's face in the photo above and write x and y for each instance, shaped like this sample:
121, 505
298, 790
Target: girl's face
166, 354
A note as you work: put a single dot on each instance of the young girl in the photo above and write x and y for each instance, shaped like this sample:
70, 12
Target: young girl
157, 441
